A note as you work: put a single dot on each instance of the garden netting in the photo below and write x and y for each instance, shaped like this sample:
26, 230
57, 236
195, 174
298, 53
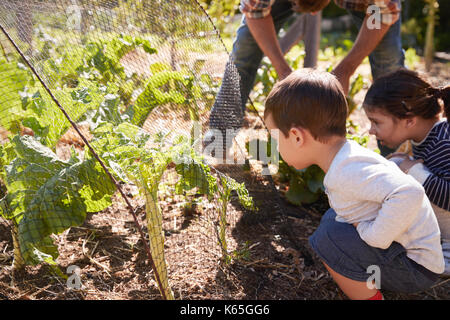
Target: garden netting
107, 104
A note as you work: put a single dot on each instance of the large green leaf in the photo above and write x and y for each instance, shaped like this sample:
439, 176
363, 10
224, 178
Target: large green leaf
299, 193
195, 175
48, 195
155, 94
245, 199
24, 102
13, 79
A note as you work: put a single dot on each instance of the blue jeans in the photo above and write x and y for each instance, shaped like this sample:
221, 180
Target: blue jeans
240, 72
247, 56
246, 53
339, 245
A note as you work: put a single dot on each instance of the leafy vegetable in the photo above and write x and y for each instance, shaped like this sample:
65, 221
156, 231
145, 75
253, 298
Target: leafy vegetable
47, 195
153, 95
122, 149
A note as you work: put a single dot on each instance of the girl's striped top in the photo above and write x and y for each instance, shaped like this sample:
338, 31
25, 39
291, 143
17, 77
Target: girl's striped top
434, 174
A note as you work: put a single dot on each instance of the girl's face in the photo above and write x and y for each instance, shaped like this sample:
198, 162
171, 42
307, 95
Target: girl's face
390, 131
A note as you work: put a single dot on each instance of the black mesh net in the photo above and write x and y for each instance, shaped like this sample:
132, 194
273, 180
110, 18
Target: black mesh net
106, 107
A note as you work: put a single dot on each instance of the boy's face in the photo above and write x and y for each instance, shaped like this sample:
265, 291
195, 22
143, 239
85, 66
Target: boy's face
291, 148
389, 131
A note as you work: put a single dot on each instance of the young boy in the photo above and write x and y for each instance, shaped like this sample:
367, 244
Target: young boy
380, 219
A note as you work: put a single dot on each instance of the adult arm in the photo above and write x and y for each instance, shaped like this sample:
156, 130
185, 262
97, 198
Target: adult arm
366, 41
263, 31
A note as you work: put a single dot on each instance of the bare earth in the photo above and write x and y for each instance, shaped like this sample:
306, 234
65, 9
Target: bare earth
271, 260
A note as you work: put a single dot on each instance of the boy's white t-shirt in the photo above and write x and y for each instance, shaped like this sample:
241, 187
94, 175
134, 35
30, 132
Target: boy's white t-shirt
364, 187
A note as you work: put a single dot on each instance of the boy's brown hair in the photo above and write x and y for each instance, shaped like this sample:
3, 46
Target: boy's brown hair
310, 99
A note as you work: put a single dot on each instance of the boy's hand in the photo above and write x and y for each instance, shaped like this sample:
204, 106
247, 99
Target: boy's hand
407, 163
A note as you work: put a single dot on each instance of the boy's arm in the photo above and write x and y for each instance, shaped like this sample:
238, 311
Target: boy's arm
401, 200
395, 216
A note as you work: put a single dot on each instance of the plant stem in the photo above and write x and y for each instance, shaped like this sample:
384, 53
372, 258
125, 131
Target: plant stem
18, 262
156, 240
222, 232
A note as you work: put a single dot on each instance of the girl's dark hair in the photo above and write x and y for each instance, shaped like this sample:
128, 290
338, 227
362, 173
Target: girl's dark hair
404, 93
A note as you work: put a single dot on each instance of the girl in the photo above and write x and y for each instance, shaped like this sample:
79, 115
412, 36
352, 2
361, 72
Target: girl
404, 106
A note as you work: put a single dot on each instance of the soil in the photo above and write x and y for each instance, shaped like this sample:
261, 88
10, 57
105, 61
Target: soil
269, 253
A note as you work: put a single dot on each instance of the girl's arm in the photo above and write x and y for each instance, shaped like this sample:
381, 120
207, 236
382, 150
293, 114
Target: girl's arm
436, 188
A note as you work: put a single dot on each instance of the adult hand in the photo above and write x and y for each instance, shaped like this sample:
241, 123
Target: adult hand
283, 71
390, 11
264, 33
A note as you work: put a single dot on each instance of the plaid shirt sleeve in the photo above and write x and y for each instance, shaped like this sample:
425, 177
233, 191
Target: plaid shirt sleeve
356, 5
256, 9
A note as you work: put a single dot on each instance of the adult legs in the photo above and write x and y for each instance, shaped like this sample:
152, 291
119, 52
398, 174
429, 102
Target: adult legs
246, 53
246, 56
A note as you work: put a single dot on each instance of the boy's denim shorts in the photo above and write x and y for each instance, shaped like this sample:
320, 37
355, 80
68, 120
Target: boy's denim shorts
342, 249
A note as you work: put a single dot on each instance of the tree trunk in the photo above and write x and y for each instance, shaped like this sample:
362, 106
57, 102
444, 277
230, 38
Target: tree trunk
429, 40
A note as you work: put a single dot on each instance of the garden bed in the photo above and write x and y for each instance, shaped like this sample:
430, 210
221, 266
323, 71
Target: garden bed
270, 256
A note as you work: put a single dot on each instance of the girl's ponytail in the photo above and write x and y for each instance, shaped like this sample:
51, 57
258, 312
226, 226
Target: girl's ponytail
405, 93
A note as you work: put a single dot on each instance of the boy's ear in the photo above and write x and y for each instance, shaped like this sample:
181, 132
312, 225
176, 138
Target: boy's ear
299, 135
